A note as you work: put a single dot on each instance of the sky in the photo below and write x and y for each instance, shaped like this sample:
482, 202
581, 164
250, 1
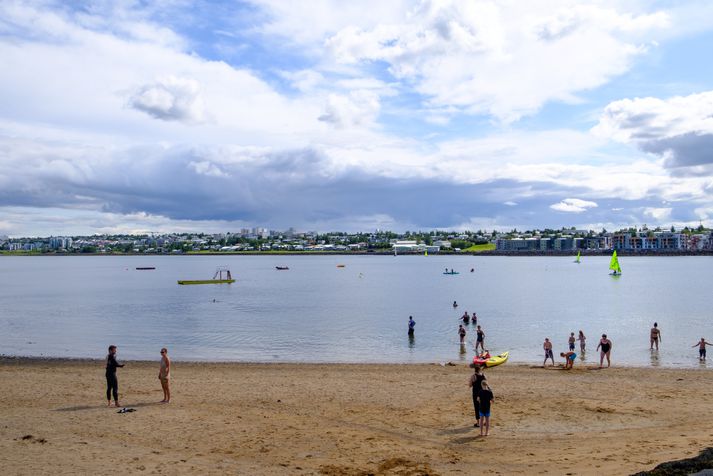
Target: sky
324, 115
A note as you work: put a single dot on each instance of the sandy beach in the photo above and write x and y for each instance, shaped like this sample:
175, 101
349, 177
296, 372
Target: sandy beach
347, 419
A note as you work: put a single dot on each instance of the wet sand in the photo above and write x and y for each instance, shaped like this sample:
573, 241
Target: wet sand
347, 419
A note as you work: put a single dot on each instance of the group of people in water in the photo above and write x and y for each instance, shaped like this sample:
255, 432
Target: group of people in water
112, 382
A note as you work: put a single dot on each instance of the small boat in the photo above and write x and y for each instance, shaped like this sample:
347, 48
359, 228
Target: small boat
451, 272
491, 361
145, 268
340, 266
578, 256
281, 268
221, 276
614, 265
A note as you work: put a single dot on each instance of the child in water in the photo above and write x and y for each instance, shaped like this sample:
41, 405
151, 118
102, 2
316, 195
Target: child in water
461, 333
701, 348
571, 341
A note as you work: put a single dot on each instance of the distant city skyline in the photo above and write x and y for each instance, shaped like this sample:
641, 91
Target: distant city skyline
404, 115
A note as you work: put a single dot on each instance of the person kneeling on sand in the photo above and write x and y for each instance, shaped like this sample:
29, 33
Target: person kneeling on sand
485, 397
568, 359
164, 375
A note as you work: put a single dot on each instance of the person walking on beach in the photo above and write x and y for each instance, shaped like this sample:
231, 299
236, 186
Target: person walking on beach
568, 359
547, 346
411, 325
606, 345
479, 339
701, 348
485, 398
475, 383
461, 333
581, 340
571, 341
164, 375
112, 383
655, 336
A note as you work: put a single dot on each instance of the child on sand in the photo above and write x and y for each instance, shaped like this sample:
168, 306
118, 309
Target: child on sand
581, 340
568, 359
571, 341
547, 346
475, 383
606, 345
485, 397
164, 375
701, 348
112, 383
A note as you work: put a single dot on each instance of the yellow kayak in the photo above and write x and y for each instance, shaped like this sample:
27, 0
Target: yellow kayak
497, 359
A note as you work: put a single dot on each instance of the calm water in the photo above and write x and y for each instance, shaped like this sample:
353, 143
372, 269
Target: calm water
316, 312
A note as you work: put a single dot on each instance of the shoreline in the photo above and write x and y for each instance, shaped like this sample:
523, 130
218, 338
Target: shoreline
585, 253
347, 419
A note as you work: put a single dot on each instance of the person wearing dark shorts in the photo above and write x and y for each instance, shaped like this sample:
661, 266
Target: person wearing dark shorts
571, 341
485, 397
475, 383
112, 383
547, 347
701, 348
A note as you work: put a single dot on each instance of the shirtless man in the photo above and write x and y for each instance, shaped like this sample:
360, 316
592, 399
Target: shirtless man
655, 336
547, 346
701, 348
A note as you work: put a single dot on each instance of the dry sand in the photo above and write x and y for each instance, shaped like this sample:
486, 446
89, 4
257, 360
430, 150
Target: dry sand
347, 419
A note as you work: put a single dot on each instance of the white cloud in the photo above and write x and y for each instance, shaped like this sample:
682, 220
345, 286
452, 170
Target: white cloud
659, 214
573, 205
678, 129
358, 108
476, 55
170, 98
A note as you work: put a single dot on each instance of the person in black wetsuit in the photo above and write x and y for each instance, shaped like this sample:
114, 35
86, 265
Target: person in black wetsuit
112, 383
475, 383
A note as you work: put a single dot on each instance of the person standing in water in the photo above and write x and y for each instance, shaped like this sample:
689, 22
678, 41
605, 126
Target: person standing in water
571, 341
655, 336
164, 375
461, 333
582, 343
411, 325
701, 348
479, 339
475, 383
606, 345
547, 346
112, 383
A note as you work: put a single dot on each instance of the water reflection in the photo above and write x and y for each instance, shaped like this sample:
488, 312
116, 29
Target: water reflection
462, 351
655, 358
411, 341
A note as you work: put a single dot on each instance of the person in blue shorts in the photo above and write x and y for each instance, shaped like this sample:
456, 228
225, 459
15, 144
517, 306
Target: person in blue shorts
571, 341
568, 359
485, 398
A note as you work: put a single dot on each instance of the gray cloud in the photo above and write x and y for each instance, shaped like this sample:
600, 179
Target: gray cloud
693, 148
170, 99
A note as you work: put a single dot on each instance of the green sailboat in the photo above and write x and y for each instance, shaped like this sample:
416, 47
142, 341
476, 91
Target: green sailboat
614, 265
579, 254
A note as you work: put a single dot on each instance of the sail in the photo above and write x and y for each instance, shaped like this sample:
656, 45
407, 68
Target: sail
578, 255
614, 263
425, 253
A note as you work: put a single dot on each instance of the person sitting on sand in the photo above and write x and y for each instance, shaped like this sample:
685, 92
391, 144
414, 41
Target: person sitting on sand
568, 359
411, 325
112, 383
475, 383
701, 348
479, 339
164, 375
547, 346
655, 336
582, 341
485, 398
606, 345
571, 341
461, 333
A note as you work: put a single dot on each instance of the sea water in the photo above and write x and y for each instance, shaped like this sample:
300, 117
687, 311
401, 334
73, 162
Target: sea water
75, 306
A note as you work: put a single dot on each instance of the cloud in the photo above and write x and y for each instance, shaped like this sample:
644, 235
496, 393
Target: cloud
170, 99
573, 205
659, 214
678, 129
474, 55
358, 108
